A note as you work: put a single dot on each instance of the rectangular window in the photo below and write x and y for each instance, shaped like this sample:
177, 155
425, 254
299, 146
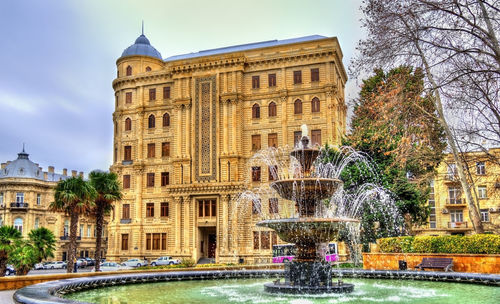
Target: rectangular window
152, 94
297, 77
485, 215
165, 149
273, 172
151, 150
274, 238
481, 192
89, 228
432, 206
256, 245
456, 216
207, 208
455, 195
272, 140
297, 136
124, 241
164, 209
128, 97
81, 230
150, 209
166, 92
156, 241
150, 179
272, 80
163, 241
265, 240
148, 241
452, 171
127, 153
480, 168
256, 206
165, 178
316, 137
256, 174
255, 82
20, 197
256, 142
125, 211
273, 205
38, 199
126, 181
314, 75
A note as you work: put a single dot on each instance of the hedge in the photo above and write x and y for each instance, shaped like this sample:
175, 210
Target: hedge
477, 243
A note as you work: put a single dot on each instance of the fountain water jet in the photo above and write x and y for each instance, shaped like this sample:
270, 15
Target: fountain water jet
308, 272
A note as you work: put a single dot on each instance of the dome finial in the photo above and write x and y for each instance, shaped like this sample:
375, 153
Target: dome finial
23, 148
142, 27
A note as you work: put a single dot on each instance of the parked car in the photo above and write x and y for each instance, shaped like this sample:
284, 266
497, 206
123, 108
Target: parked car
10, 270
39, 266
165, 260
135, 263
81, 262
55, 265
112, 266
90, 262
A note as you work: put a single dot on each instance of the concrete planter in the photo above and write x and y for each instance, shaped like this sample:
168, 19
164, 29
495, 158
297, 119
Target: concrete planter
476, 263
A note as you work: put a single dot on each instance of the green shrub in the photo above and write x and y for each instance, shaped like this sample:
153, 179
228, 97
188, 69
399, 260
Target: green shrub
187, 262
477, 243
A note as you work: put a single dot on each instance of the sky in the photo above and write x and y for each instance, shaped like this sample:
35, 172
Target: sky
58, 60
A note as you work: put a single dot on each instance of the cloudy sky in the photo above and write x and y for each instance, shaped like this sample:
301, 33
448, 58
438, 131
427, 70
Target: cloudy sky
57, 60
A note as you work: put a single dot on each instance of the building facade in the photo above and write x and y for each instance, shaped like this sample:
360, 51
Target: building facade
26, 192
186, 127
449, 209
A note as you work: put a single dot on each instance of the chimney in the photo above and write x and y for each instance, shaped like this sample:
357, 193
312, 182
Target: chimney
81, 174
65, 172
45, 175
4, 165
8, 162
51, 169
73, 173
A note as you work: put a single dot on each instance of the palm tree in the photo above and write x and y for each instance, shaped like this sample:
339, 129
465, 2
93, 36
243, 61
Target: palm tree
44, 241
75, 197
8, 237
108, 191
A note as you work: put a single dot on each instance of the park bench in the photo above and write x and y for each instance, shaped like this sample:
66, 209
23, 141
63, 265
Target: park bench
436, 263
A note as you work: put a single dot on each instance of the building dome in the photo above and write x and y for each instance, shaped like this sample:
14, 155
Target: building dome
22, 167
142, 47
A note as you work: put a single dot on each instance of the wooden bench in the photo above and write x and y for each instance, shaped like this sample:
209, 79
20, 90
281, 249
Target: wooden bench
436, 263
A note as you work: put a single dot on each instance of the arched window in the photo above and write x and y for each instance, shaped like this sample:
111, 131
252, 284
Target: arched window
166, 120
129, 70
37, 223
151, 121
315, 104
18, 224
255, 111
148, 69
66, 228
128, 124
272, 109
297, 106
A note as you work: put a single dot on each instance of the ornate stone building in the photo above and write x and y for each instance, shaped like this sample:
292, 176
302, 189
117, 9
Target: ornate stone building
186, 126
26, 192
449, 210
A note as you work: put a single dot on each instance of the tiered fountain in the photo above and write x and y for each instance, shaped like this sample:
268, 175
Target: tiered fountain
308, 272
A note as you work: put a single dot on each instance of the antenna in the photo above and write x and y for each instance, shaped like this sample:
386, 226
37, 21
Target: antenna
143, 27
23, 148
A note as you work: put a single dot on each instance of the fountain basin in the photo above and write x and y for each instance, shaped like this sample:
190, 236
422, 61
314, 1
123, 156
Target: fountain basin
309, 229
310, 189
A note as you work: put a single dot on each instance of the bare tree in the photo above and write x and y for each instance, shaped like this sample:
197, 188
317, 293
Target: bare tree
456, 44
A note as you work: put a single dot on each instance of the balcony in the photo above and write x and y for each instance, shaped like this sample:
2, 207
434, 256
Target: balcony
457, 225
127, 162
19, 206
66, 238
125, 221
451, 178
455, 202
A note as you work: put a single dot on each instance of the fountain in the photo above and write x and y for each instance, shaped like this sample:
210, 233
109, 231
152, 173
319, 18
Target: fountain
308, 272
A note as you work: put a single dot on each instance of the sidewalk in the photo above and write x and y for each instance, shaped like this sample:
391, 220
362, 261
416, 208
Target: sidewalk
6, 296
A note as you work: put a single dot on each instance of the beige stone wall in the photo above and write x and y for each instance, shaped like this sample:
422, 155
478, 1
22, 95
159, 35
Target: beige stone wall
489, 204
225, 133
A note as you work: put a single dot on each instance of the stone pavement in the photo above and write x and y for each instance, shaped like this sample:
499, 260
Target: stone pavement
6, 296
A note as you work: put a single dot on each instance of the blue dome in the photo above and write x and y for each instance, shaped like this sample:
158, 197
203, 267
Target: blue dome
142, 47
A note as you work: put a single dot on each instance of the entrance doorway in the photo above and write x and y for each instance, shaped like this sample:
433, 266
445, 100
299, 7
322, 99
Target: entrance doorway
207, 243
212, 245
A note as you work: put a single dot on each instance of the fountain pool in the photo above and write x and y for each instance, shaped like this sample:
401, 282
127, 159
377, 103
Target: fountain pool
252, 291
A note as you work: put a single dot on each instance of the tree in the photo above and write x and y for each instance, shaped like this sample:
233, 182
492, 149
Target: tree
8, 237
44, 241
455, 43
108, 191
75, 197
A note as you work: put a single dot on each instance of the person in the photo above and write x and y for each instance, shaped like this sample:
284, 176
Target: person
74, 265
146, 260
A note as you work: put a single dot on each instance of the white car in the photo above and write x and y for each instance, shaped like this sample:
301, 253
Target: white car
112, 266
55, 265
135, 263
165, 260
